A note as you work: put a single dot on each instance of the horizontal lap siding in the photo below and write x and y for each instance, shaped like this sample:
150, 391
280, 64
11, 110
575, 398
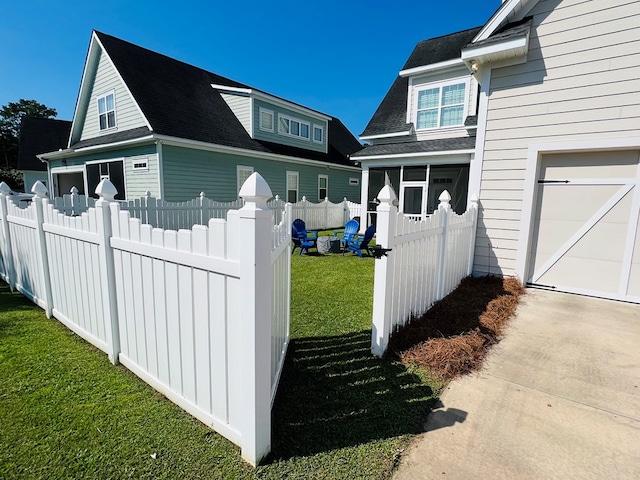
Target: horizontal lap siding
187, 172
240, 105
127, 114
579, 83
138, 182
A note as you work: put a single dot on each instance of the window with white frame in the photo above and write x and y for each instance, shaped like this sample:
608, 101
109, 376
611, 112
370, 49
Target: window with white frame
293, 127
266, 120
323, 187
107, 111
440, 106
318, 133
243, 172
292, 187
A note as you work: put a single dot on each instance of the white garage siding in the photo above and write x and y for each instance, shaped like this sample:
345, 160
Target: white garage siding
580, 82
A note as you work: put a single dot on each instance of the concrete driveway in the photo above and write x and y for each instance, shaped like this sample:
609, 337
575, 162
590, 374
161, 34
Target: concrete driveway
559, 398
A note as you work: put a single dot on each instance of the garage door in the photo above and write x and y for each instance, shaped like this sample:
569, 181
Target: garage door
586, 225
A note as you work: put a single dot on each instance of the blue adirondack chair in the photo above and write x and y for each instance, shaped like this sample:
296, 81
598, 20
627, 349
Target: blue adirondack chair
301, 237
358, 244
350, 230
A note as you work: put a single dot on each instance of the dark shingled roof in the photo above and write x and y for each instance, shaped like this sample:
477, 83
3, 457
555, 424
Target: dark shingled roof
40, 135
437, 145
391, 115
440, 49
177, 99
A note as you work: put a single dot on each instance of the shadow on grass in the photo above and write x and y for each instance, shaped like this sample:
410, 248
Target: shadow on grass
333, 394
13, 301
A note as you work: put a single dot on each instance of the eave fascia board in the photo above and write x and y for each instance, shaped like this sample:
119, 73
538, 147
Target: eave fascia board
212, 147
82, 90
502, 15
456, 62
518, 46
387, 135
271, 99
413, 155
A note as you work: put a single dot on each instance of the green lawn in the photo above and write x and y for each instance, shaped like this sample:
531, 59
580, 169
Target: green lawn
66, 412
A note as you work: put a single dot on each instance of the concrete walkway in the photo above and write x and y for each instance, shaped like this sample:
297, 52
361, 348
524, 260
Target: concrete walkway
559, 398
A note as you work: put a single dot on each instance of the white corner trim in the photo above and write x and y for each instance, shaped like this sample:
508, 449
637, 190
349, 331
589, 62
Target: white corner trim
430, 68
475, 172
534, 154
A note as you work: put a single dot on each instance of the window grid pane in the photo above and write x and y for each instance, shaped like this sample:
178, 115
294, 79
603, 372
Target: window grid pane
428, 119
451, 116
453, 94
428, 98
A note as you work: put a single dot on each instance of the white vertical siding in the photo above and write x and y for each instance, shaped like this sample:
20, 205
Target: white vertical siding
241, 107
579, 83
128, 115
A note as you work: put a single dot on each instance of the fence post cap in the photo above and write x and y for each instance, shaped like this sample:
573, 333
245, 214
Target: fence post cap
39, 190
387, 195
4, 188
74, 190
444, 198
106, 190
147, 194
255, 192
202, 195
304, 198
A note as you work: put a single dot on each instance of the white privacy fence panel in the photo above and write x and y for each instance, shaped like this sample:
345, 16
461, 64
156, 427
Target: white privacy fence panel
323, 215
201, 314
73, 245
427, 260
177, 309
27, 255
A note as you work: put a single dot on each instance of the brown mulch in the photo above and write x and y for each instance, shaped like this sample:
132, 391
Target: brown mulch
454, 336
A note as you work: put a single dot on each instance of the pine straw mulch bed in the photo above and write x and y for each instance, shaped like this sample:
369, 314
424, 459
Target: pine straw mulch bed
455, 335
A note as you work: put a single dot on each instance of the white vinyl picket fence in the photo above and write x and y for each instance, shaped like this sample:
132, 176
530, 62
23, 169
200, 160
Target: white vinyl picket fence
202, 315
428, 259
198, 211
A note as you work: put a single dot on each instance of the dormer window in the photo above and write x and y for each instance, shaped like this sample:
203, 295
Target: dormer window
293, 127
441, 106
107, 111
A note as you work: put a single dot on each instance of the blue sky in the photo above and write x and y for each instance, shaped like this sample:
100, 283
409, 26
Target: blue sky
338, 57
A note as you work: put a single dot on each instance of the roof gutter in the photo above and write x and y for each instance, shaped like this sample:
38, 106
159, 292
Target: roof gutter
73, 152
456, 62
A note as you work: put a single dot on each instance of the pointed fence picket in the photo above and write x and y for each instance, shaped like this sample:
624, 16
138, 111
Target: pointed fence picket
198, 211
427, 260
200, 314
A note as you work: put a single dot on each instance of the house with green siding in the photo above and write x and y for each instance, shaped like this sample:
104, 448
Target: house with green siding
149, 122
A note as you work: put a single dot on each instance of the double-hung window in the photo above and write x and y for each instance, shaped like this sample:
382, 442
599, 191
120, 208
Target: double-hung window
318, 133
107, 111
440, 106
243, 173
292, 187
323, 187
